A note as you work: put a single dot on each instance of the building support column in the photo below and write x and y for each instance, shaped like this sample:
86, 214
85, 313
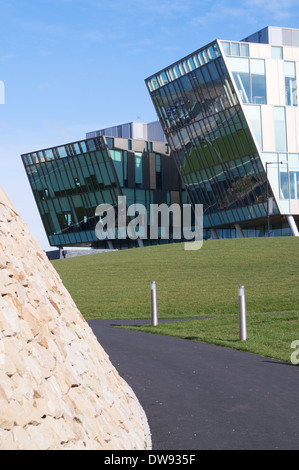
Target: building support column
239, 231
110, 244
140, 243
293, 226
214, 234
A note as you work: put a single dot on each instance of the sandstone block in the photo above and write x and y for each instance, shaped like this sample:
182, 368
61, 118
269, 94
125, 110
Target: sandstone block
58, 388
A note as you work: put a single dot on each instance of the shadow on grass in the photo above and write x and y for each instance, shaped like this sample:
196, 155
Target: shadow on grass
214, 340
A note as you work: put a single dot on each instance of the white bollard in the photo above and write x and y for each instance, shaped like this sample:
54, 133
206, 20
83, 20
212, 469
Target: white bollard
154, 304
242, 314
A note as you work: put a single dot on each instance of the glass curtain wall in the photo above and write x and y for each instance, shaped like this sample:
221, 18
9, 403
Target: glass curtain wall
210, 139
68, 183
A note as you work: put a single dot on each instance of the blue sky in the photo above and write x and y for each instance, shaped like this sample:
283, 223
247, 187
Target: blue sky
74, 66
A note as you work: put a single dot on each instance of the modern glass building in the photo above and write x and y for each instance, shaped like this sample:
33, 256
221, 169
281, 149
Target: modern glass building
230, 114
70, 181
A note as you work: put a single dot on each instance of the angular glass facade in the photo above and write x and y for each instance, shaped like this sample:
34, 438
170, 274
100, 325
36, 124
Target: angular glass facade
211, 142
227, 139
69, 182
231, 134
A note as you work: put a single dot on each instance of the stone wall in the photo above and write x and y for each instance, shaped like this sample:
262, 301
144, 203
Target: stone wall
58, 389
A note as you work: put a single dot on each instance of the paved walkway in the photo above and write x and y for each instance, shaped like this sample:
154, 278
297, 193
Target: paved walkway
200, 397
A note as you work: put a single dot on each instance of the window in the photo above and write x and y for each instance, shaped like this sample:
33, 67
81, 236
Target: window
253, 114
77, 149
138, 169
258, 82
277, 52
294, 175
226, 47
126, 169
240, 70
284, 182
129, 144
250, 78
244, 50
158, 172
290, 83
49, 154
91, 183
294, 184
148, 146
116, 156
62, 152
235, 49
280, 129
110, 142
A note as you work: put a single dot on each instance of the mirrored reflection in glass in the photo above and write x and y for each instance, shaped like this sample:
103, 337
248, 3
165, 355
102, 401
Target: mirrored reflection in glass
280, 129
253, 113
210, 139
250, 78
290, 83
67, 190
138, 169
258, 81
241, 74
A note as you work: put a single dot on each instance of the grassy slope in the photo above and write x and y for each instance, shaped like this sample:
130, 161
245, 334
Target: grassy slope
190, 284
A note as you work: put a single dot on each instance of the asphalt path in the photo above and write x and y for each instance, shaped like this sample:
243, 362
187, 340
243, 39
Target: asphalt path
203, 397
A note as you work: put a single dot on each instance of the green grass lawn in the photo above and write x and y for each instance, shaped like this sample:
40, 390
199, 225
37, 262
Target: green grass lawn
190, 284
199, 284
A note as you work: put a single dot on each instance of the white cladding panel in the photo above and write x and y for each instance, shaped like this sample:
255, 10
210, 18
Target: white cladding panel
275, 82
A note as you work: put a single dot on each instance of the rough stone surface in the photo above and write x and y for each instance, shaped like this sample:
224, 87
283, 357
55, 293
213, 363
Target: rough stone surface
58, 389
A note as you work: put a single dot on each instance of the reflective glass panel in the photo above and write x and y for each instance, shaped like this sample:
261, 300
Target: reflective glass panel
250, 79
138, 169
211, 141
284, 182
235, 49
240, 71
49, 154
280, 129
62, 152
244, 50
294, 184
226, 47
117, 157
258, 81
277, 52
290, 83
